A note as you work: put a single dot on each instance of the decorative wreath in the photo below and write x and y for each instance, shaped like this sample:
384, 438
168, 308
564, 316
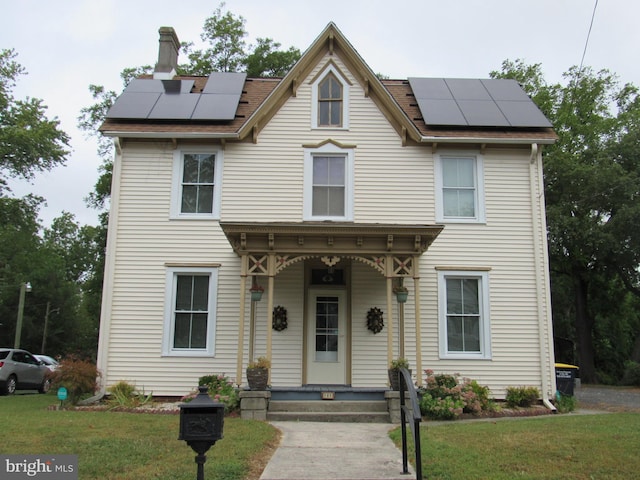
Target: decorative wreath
279, 318
375, 323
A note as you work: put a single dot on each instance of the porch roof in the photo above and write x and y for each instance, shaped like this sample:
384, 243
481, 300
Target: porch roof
330, 238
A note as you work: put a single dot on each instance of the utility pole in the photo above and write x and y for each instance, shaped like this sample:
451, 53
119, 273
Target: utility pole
24, 288
46, 322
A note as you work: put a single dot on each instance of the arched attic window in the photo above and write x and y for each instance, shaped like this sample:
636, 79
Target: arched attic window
330, 102
330, 107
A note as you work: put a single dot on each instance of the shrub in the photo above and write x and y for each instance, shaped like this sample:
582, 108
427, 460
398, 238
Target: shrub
565, 403
521, 396
444, 398
78, 376
123, 394
221, 389
631, 373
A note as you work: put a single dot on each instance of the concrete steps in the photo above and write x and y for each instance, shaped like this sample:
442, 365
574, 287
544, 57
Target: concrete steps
355, 411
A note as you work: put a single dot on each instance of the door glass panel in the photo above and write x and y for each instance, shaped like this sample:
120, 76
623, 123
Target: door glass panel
327, 329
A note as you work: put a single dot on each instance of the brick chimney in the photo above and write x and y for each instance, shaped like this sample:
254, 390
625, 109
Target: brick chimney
167, 54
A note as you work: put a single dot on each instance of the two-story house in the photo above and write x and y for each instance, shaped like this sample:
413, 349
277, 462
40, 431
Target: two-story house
328, 189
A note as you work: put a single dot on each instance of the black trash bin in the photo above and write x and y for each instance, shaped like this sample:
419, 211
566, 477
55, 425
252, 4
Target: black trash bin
565, 378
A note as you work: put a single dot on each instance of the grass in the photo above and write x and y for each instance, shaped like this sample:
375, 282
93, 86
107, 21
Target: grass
123, 446
551, 447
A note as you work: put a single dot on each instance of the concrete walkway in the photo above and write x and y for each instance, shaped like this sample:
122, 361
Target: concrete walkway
335, 451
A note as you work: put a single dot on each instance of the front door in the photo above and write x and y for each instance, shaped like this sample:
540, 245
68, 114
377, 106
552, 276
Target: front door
326, 337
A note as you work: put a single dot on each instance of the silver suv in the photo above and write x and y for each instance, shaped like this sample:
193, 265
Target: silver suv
20, 370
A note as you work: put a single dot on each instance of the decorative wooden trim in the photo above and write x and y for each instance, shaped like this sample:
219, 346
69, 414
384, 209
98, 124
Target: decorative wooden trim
192, 264
331, 141
322, 71
466, 268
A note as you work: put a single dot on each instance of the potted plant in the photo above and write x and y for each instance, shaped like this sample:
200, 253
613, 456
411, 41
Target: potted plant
401, 293
256, 292
394, 370
258, 373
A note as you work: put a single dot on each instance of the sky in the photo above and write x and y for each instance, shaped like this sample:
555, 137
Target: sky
66, 45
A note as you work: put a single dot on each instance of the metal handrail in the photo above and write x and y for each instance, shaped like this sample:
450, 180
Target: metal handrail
406, 385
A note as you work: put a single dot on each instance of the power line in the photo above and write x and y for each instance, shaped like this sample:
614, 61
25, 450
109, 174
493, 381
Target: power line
586, 43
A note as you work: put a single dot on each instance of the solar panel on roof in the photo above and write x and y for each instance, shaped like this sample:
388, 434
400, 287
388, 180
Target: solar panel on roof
216, 107
440, 112
133, 105
479, 103
482, 113
225, 83
171, 99
523, 114
467, 89
505, 89
174, 107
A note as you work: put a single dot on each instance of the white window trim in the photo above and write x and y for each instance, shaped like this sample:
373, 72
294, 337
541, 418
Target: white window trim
345, 99
170, 299
176, 184
479, 192
485, 321
328, 149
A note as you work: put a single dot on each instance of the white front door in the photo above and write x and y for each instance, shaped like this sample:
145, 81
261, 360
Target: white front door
326, 337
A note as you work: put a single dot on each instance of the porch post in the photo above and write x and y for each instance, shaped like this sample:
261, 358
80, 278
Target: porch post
389, 268
272, 271
416, 296
243, 294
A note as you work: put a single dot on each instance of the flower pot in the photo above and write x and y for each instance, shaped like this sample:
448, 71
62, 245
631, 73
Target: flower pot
402, 296
256, 295
257, 378
394, 381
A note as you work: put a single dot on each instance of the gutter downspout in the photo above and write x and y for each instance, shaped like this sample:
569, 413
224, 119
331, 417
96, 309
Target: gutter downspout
540, 277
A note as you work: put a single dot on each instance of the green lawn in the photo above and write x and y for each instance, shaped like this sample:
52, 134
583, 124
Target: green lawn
123, 446
551, 447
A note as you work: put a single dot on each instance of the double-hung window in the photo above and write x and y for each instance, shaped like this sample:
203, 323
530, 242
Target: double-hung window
459, 188
196, 186
190, 311
464, 314
328, 184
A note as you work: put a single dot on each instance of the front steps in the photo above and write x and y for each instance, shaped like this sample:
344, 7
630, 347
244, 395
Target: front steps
353, 411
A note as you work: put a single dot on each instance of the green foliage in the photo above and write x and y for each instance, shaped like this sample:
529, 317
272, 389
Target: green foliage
124, 394
221, 389
521, 396
592, 182
631, 373
444, 398
260, 362
78, 376
565, 403
399, 363
267, 60
29, 141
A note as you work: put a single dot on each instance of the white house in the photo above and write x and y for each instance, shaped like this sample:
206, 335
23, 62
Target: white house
329, 188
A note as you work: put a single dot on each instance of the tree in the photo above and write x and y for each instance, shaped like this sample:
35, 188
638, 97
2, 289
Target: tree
225, 33
591, 188
29, 141
267, 60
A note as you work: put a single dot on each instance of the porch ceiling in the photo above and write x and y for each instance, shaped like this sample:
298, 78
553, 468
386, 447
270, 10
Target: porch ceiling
330, 238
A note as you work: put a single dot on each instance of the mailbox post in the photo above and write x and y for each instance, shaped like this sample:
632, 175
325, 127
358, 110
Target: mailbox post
201, 424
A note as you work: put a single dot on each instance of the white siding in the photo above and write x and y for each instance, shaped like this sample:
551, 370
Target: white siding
264, 182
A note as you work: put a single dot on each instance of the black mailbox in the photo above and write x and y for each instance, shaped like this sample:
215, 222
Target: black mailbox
201, 424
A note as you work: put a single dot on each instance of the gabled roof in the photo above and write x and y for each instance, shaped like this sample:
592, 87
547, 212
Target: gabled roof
261, 98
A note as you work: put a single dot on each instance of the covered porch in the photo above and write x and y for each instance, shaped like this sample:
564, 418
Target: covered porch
328, 250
